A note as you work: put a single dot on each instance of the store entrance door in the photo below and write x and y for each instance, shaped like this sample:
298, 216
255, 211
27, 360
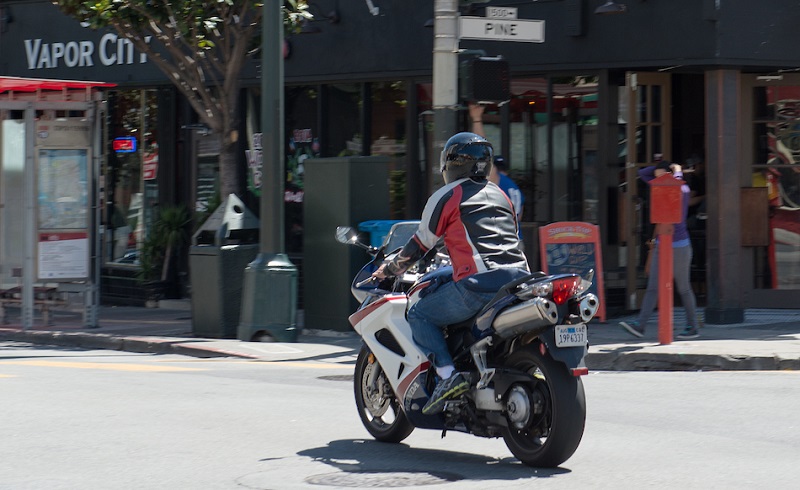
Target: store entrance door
648, 133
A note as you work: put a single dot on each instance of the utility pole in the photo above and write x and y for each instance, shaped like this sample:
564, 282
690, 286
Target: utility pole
445, 79
269, 299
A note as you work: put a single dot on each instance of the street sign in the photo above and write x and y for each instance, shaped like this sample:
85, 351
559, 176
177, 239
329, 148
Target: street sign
501, 12
527, 31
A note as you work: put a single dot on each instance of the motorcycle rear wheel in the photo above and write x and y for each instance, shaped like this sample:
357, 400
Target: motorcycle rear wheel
377, 404
551, 435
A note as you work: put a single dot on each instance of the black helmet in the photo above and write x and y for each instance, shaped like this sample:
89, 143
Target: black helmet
466, 155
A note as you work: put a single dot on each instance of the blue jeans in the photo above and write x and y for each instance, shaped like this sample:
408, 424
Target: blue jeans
450, 303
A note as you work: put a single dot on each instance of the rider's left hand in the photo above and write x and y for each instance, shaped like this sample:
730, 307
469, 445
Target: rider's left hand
380, 273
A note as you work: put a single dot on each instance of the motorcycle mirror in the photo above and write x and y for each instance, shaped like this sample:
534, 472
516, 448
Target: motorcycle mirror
346, 234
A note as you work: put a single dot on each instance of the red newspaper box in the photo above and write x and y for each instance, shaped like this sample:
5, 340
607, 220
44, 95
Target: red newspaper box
665, 199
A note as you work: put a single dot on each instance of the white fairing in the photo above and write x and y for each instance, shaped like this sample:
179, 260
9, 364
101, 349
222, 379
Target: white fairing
413, 294
388, 314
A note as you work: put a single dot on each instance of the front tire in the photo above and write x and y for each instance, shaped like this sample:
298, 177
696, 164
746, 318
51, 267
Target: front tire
377, 404
550, 431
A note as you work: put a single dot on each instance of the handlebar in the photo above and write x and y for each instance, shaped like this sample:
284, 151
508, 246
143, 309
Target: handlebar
365, 281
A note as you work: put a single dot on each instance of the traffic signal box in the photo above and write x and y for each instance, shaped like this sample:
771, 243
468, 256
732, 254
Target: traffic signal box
485, 79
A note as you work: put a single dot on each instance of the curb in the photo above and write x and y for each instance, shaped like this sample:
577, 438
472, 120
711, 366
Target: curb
652, 361
596, 361
145, 345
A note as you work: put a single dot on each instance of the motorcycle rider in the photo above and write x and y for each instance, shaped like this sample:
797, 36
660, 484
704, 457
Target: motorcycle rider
480, 231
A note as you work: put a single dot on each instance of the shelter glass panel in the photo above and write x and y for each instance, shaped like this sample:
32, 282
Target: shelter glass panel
12, 211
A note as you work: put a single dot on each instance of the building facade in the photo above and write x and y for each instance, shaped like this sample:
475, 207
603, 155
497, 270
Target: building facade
708, 84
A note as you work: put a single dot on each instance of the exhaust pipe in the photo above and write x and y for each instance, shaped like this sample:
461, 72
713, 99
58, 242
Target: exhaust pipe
588, 307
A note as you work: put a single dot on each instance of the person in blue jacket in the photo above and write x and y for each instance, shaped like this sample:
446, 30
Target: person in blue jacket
508, 186
682, 261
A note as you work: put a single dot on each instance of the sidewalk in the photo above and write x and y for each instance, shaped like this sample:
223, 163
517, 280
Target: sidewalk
767, 340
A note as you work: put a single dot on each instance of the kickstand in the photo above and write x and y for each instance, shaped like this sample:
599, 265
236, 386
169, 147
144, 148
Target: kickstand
444, 433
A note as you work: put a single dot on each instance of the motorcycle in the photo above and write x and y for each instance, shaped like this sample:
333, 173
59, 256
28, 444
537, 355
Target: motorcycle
523, 355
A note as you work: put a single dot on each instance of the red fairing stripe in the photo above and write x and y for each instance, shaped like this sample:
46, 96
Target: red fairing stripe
419, 287
360, 314
457, 239
411, 377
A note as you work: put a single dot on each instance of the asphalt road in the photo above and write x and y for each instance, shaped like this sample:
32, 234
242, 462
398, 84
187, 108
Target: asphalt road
75, 419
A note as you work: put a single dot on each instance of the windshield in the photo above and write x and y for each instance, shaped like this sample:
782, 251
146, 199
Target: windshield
399, 234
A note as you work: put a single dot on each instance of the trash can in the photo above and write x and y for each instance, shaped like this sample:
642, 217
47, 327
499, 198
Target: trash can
378, 229
221, 249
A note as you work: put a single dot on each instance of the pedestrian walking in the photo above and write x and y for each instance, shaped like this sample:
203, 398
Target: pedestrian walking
682, 261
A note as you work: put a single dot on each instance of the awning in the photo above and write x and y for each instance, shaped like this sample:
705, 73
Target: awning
18, 84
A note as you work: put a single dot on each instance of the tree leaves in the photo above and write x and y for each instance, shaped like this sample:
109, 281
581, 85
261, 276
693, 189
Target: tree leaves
200, 45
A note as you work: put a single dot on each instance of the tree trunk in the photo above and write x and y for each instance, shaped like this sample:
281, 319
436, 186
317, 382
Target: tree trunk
229, 172
165, 266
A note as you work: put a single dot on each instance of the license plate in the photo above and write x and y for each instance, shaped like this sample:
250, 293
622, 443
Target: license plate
571, 335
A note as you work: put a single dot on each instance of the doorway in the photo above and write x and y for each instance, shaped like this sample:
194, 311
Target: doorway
664, 117
648, 130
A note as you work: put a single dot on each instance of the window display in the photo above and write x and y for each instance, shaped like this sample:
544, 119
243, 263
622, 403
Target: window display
777, 167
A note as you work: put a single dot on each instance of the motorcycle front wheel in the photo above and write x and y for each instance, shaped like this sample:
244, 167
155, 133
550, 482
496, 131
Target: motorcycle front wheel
547, 416
378, 407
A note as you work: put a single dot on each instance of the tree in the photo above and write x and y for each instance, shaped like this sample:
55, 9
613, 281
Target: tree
169, 233
201, 46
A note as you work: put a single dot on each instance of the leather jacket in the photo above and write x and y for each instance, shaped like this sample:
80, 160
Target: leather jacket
479, 226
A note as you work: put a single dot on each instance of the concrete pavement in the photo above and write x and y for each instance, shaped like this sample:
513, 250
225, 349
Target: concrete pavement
767, 340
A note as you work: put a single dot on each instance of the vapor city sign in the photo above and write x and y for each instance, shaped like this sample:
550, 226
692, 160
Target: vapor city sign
110, 50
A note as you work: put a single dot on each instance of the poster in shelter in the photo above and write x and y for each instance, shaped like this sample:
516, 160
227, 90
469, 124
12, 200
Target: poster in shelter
63, 189
63, 256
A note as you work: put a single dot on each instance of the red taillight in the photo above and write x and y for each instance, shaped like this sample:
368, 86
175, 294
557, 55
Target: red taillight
565, 288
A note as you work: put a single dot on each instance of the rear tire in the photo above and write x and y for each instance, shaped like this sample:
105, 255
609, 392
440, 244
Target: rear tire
377, 404
549, 434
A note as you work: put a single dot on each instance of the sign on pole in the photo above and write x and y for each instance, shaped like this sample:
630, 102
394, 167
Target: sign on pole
495, 29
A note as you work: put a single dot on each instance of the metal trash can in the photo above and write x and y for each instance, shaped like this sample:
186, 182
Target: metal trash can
221, 249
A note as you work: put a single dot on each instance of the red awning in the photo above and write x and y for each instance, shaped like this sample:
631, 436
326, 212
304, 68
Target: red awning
18, 84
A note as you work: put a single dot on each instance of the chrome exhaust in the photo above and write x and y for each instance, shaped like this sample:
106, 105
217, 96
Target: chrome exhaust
588, 307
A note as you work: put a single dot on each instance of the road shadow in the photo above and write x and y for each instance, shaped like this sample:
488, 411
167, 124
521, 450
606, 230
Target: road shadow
360, 456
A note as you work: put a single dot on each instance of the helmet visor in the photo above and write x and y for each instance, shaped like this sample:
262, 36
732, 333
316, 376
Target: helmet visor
468, 155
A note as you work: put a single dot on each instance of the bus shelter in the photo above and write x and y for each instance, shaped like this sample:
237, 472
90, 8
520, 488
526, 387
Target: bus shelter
50, 152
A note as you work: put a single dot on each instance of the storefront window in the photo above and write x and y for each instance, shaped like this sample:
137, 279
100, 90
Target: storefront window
776, 168
302, 109
389, 138
344, 121
552, 145
131, 190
